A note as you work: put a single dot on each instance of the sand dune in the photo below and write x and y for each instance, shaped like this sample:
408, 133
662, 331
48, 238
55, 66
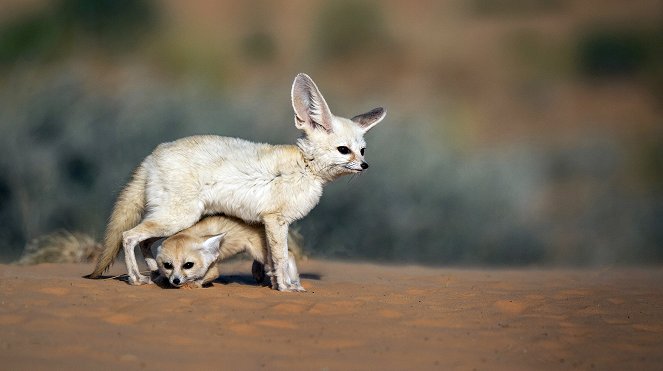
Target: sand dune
354, 316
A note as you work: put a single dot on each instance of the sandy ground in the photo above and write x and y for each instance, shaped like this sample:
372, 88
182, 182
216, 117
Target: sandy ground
354, 316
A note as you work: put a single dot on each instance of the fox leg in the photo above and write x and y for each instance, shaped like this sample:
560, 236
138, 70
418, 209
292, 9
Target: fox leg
147, 248
212, 273
148, 228
276, 231
258, 268
148, 256
292, 278
129, 242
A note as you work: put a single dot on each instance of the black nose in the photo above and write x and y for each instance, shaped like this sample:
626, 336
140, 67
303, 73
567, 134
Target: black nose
364, 165
176, 281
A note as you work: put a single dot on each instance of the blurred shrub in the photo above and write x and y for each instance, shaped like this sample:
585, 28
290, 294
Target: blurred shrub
79, 170
34, 37
616, 53
515, 7
55, 30
115, 23
259, 46
610, 53
347, 28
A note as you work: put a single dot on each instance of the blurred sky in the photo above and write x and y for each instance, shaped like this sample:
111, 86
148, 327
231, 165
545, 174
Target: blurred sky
518, 132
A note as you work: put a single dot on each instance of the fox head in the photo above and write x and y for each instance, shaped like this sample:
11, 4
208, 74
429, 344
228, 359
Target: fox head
334, 145
183, 258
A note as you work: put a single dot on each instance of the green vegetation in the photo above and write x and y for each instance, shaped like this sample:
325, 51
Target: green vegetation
347, 28
607, 53
33, 38
41, 36
260, 46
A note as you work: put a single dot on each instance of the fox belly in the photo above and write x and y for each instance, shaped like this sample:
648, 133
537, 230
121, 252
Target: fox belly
242, 196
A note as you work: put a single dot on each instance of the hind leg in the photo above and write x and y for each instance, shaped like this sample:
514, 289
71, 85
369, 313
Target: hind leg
151, 227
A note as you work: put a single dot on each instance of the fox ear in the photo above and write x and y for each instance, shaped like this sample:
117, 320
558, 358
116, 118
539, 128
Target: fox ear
212, 245
369, 119
311, 110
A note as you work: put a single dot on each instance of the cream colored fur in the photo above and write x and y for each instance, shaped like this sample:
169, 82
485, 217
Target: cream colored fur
182, 181
206, 245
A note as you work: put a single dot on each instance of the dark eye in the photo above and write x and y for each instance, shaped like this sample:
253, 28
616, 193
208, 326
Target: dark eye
362, 151
187, 265
343, 149
168, 265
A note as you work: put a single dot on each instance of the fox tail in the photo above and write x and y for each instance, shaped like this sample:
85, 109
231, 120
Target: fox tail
127, 213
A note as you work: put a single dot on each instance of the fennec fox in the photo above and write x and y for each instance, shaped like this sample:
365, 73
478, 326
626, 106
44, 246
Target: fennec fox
192, 256
274, 185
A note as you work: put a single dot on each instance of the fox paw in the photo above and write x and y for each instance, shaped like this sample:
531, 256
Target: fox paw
140, 280
296, 287
291, 287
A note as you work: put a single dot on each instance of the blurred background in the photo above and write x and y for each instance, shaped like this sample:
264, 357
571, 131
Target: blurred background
519, 132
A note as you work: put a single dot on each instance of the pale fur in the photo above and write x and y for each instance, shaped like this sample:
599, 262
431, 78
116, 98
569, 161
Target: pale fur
182, 181
206, 244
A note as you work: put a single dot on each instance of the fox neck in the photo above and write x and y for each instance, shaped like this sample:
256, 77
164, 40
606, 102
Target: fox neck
314, 163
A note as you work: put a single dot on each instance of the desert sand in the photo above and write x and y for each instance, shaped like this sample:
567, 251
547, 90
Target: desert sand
354, 316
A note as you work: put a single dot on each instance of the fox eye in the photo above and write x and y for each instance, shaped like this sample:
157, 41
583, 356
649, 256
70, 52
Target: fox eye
187, 265
362, 151
168, 265
343, 149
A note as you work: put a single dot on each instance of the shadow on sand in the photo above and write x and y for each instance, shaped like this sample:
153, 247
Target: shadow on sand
241, 279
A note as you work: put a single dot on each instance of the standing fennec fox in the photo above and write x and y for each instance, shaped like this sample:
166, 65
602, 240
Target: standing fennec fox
270, 184
192, 256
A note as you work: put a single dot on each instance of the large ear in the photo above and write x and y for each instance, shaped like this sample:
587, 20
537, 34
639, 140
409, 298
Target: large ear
212, 245
369, 119
311, 110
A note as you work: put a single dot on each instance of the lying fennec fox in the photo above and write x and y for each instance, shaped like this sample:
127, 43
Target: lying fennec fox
271, 184
192, 256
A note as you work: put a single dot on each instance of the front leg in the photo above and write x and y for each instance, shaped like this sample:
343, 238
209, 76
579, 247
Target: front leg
276, 231
212, 273
129, 242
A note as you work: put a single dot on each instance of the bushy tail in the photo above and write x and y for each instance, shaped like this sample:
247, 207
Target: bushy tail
127, 213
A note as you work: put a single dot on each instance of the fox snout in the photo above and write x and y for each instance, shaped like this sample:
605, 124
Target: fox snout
175, 281
356, 167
